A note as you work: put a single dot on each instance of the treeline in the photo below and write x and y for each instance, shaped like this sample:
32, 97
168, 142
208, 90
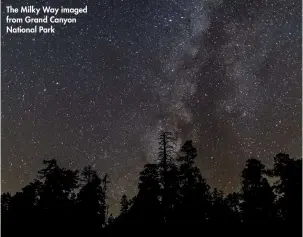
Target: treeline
172, 195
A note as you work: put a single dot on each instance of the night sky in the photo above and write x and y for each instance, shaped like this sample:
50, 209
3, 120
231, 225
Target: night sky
226, 74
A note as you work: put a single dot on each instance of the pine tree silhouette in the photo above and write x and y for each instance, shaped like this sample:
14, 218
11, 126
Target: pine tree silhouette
147, 202
289, 189
124, 205
170, 196
194, 192
258, 196
56, 203
166, 164
91, 202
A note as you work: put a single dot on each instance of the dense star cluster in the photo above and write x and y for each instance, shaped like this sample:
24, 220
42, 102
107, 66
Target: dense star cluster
226, 74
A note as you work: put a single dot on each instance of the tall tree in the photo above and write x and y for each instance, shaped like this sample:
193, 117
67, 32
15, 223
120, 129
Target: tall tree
91, 202
288, 187
20, 210
166, 153
146, 207
194, 192
5, 203
166, 168
258, 196
233, 200
105, 183
59, 183
172, 193
6, 216
56, 201
124, 204
190, 173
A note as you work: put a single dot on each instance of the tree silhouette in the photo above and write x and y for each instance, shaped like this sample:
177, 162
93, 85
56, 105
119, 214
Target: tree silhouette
6, 213
166, 170
172, 194
194, 192
124, 204
218, 207
289, 188
5, 203
20, 209
258, 196
232, 201
146, 205
169, 196
56, 202
91, 202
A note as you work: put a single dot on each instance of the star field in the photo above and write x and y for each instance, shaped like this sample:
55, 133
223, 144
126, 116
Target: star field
225, 74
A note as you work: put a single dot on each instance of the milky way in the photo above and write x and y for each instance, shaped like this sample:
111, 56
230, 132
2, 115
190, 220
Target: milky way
225, 74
